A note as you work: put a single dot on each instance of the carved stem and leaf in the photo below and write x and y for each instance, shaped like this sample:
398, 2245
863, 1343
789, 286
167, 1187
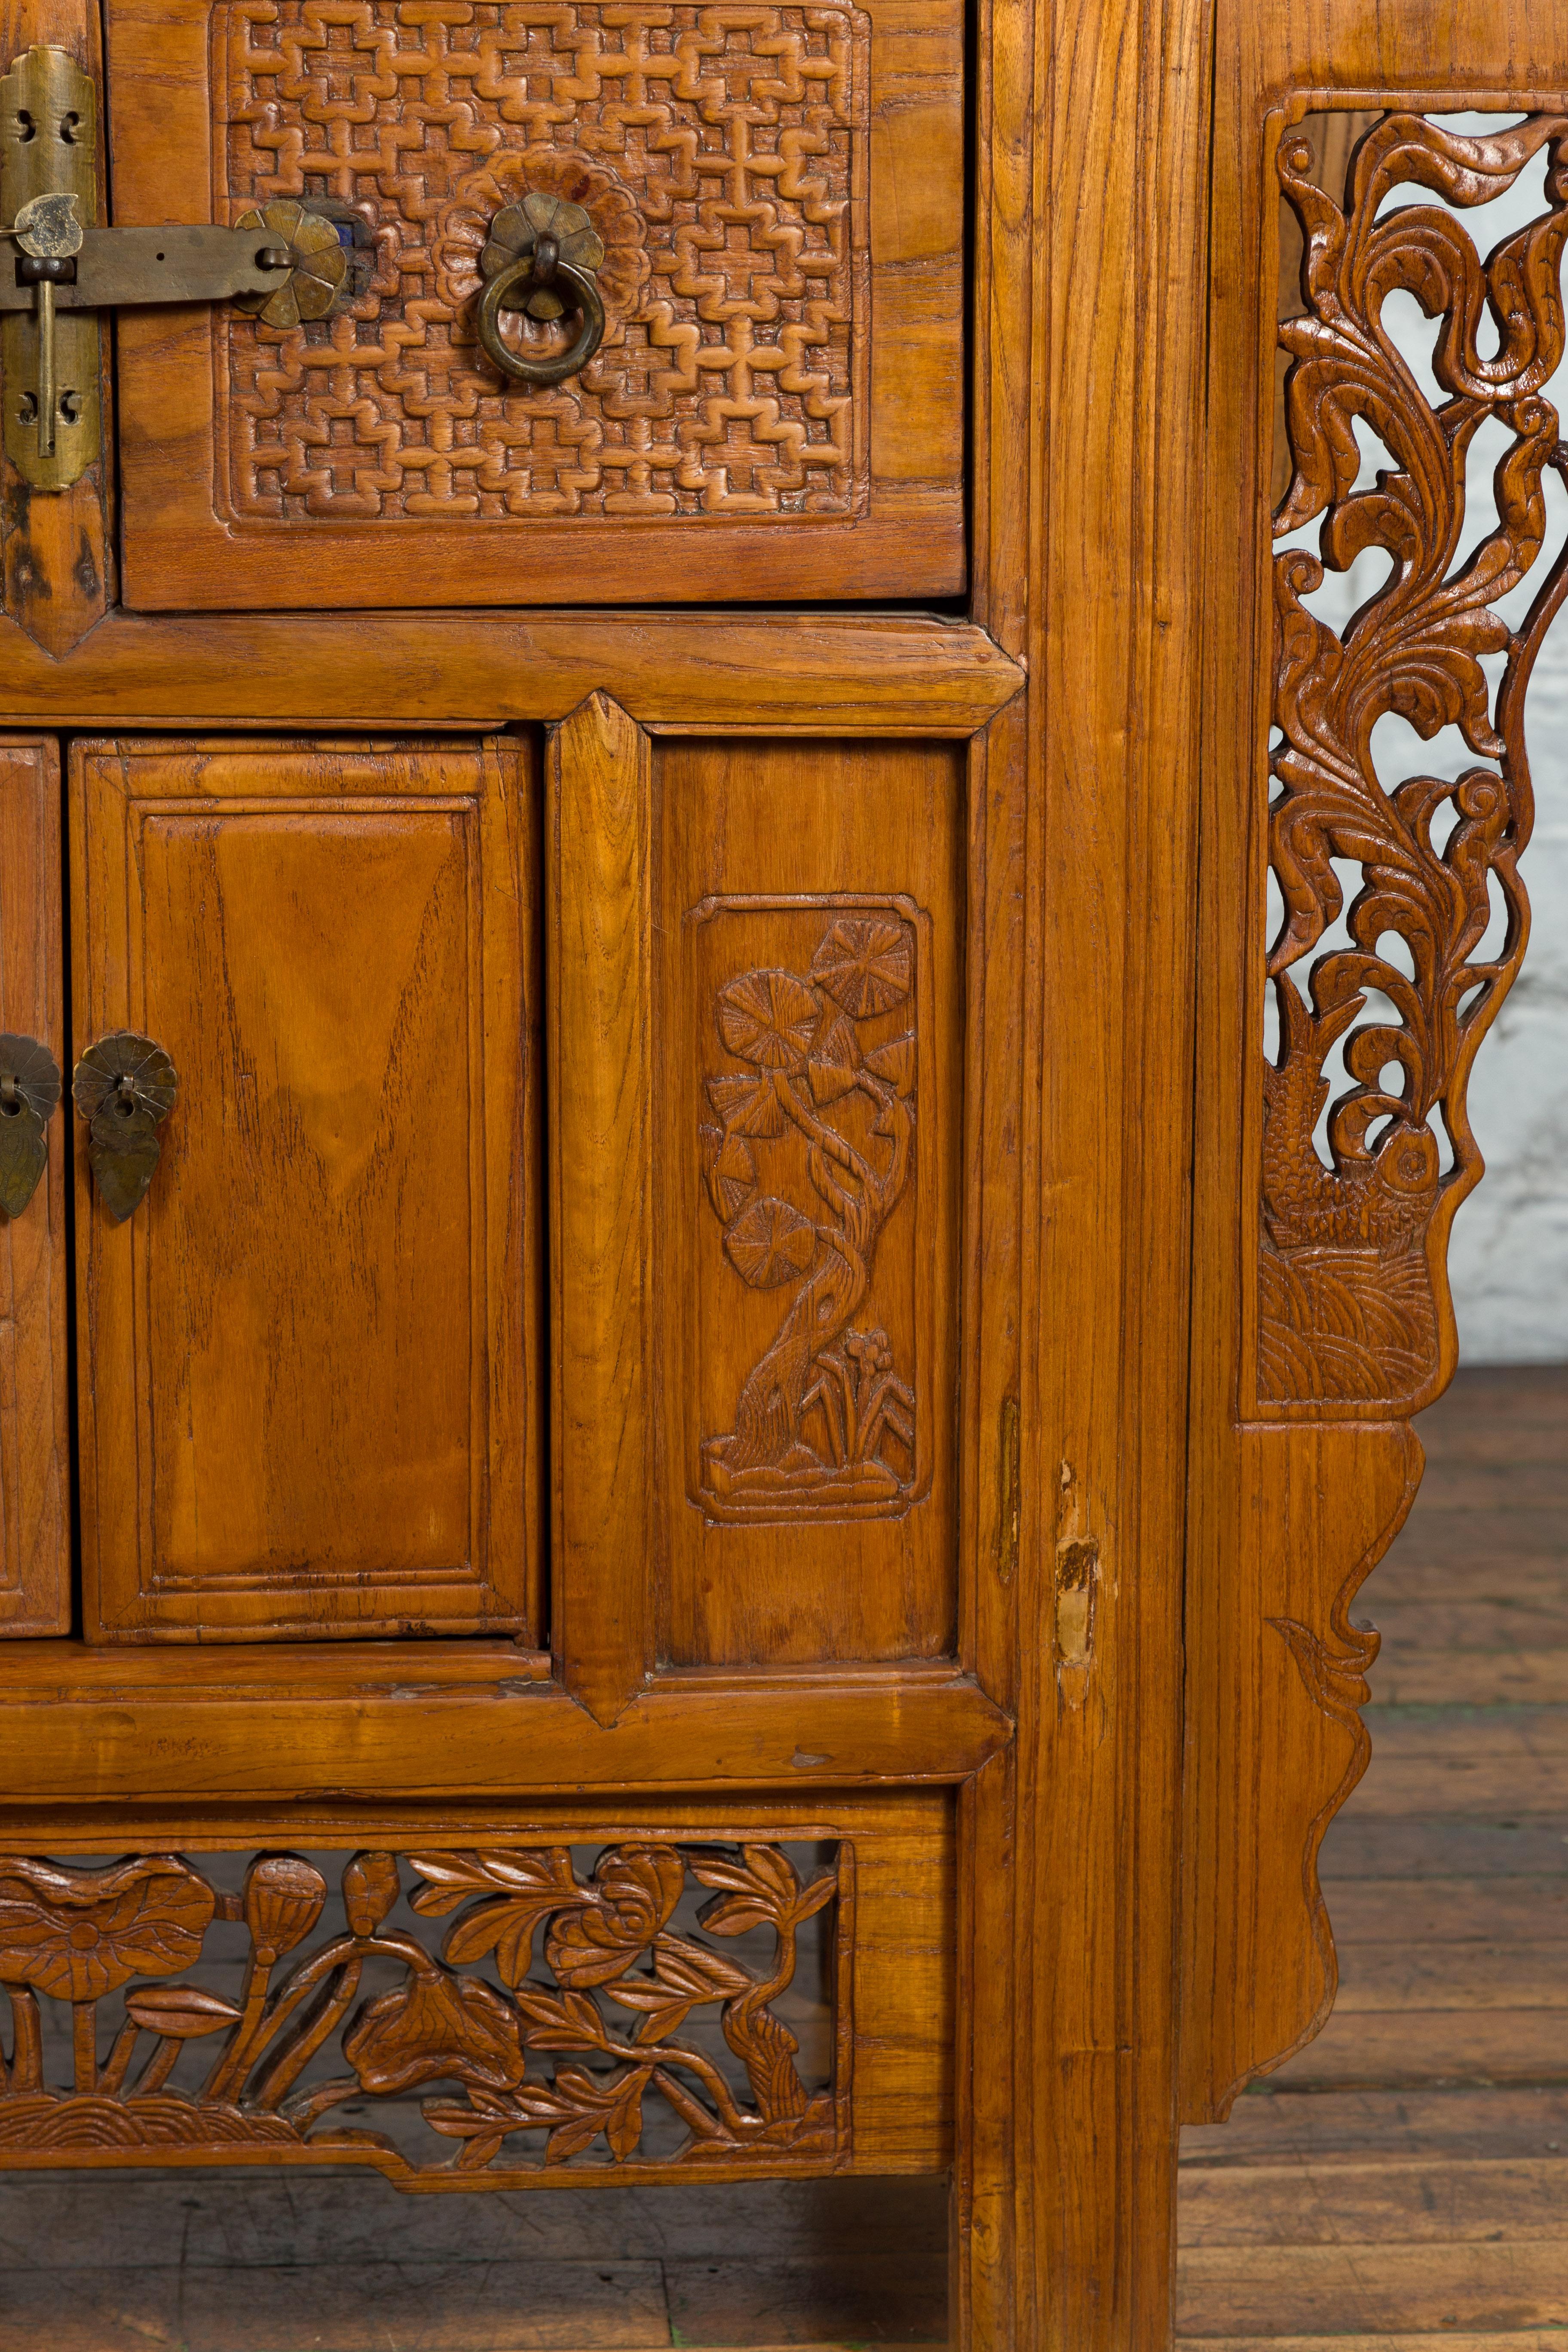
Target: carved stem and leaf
1353, 1300
824, 1400
75, 1936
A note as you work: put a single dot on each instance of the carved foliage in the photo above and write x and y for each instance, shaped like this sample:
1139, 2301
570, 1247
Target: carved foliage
720, 151
1353, 1289
824, 1423
557, 2005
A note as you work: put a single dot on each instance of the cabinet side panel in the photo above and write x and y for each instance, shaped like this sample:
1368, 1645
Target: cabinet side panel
35, 1437
808, 986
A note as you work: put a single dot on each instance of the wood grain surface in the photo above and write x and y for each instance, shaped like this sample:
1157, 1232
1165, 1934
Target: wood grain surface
598, 835
308, 1391
805, 673
35, 1425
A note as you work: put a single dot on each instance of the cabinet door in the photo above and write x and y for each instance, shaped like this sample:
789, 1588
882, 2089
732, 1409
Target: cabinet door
308, 1391
775, 409
35, 1480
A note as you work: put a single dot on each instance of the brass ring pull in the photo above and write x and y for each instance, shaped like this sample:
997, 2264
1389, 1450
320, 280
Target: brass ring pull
545, 265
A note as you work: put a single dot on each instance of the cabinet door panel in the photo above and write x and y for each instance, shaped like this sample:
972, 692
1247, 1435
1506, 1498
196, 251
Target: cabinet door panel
307, 1395
809, 972
34, 1443
757, 1079
776, 407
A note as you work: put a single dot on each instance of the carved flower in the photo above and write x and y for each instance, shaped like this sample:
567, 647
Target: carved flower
283, 1899
771, 1243
463, 228
769, 1018
370, 1889
865, 964
869, 1350
638, 1888
433, 2028
78, 1934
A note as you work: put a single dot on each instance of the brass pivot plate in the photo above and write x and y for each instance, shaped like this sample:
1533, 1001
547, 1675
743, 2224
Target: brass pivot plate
49, 146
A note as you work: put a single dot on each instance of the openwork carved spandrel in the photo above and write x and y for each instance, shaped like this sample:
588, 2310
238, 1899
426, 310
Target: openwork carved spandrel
807, 1150
1353, 1302
720, 153
567, 2017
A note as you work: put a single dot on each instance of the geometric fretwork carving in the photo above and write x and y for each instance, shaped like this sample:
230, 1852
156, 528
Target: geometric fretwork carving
1353, 1302
722, 150
564, 2017
819, 1076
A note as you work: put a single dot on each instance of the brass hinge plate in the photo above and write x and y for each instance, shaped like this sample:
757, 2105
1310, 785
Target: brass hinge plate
48, 145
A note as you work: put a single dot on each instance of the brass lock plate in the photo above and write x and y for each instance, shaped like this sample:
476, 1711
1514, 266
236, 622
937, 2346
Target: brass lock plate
49, 146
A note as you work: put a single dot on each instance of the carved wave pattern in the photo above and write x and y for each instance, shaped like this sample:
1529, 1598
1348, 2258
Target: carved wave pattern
1353, 1301
720, 149
565, 2018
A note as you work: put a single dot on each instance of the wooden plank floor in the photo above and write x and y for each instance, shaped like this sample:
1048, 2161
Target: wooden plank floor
1402, 2185
1403, 2182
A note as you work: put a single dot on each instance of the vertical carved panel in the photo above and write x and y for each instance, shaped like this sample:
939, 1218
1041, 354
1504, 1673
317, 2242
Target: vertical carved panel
1354, 1309
809, 926
809, 1150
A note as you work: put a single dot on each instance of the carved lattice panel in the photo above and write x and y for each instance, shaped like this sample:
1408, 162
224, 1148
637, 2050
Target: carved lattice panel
599, 2009
1353, 1308
721, 149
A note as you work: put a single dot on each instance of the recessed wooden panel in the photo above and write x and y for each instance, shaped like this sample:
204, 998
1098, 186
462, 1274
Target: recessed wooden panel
808, 914
307, 1394
775, 410
34, 1438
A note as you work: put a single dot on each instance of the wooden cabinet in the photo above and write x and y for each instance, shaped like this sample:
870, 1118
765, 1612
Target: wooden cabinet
670, 1332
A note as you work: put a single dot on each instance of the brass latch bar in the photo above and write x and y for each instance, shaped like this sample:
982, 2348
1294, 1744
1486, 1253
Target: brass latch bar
117, 267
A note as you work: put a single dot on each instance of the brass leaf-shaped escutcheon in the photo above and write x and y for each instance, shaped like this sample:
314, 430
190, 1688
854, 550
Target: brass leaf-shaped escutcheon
29, 1090
124, 1089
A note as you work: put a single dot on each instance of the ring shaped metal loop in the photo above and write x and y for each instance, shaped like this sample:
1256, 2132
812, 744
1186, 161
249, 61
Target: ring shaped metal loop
590, 332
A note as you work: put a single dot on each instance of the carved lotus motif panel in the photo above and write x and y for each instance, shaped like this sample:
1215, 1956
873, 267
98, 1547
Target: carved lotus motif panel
608, 2009
809, 1152
720, 151
1379, 1027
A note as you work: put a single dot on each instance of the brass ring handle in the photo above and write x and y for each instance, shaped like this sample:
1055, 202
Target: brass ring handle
546, 265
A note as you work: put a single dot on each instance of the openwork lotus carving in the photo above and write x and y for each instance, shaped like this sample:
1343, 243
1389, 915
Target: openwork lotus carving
514, 2053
